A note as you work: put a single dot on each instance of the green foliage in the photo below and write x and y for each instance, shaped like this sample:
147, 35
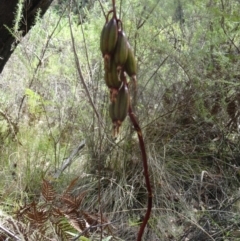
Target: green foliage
33, 101
188, 106
18, 16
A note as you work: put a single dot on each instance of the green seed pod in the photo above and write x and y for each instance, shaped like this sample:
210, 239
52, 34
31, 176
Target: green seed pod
121, 51
118, 109
109, 37
112, 77
131, 65
122, 104
111, 111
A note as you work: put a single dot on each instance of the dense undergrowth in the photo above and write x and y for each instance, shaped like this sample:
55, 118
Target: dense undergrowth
187, 105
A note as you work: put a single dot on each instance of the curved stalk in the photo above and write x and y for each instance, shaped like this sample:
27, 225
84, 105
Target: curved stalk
114, 9
145, 168
145, 165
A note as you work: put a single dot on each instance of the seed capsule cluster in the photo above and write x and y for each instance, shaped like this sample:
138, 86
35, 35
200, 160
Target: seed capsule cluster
119, 61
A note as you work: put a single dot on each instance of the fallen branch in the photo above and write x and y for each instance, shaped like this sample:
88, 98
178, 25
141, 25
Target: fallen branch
69, 160
9, 233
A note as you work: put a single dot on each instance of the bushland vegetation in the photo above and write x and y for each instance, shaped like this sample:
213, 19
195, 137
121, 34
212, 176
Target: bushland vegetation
64, 176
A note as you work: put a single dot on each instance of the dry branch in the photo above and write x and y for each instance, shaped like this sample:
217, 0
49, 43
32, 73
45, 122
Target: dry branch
69, 160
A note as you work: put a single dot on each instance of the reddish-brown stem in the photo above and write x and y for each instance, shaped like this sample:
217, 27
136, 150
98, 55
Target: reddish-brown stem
145, 164
143, 150
119, 23
145, 169
107, 17
114, 9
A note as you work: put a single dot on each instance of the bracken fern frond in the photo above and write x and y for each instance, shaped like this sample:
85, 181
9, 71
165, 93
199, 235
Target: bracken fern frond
48, 192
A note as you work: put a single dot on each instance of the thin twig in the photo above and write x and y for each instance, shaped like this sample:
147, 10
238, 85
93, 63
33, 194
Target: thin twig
40, 60
225, 31
96, 226
9, 233
85, 42
13, 126
140, 24
102, 9
154, 73
80, 71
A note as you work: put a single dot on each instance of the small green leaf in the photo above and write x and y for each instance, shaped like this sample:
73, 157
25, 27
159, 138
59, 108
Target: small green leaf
82, 238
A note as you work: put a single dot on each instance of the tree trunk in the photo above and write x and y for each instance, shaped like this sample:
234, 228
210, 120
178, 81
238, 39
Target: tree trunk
8, 9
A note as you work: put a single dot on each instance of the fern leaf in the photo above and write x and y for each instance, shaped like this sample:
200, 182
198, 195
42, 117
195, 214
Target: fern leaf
36, 216
57, 212
36, 235
63, 229
73, 202
79, 198
48, 191
70, 187
78, 222
22, 211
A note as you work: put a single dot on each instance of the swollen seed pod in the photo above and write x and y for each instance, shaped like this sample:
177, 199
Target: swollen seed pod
119, 108
122, 104
111, 111
103, 39
131, 65
109, 37
121, 50
111, 76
